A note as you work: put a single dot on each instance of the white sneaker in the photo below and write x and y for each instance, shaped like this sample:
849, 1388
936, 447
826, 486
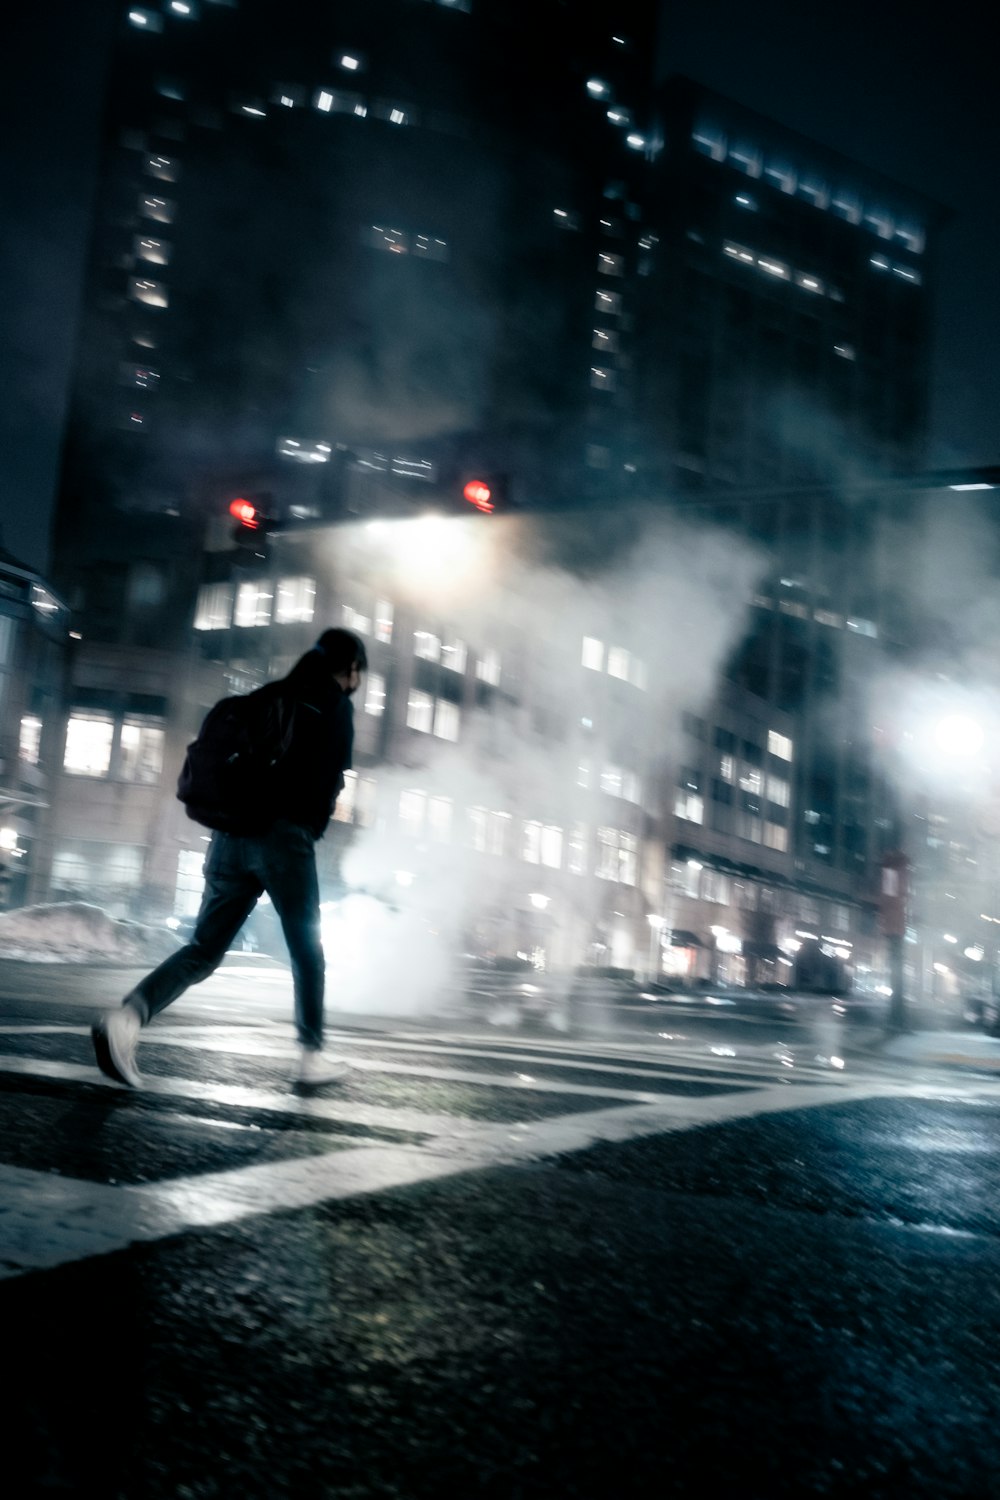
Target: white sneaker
315, 1068
115, 1037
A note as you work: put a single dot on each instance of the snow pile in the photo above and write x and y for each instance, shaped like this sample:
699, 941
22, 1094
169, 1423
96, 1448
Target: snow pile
76, 932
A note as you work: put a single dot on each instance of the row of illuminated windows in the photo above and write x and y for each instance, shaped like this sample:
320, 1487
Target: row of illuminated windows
701, 882
788, 179
429, 715
617, 662
778, 745
802, 611
98, 745
614, 780
779, 270
255, 602
453, 654
614, 853
690, 806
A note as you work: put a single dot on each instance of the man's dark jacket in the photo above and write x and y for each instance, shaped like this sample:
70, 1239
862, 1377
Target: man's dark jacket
310, 774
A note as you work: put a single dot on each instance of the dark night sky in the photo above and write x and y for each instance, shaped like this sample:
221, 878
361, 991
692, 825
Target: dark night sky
886, 83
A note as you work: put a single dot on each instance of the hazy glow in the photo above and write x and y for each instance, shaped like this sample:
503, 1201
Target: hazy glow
959, 736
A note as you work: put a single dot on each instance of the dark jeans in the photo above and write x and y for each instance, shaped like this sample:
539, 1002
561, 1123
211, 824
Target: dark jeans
281, 862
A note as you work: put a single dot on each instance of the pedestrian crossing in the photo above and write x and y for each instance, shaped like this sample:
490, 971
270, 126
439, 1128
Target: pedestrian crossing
217, 1133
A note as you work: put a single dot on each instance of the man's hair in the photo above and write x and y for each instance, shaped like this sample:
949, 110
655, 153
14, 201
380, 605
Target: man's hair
342, 649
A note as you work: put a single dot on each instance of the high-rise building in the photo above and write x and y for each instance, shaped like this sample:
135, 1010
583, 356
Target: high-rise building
342, 245
784, 309
345, 258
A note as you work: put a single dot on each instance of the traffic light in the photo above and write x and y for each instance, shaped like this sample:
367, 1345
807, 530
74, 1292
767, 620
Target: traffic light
485, 492
253, 526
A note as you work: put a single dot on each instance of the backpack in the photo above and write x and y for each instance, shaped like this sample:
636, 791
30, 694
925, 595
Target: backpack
230, 771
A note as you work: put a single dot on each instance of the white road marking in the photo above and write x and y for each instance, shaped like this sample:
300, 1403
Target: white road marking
47, 1220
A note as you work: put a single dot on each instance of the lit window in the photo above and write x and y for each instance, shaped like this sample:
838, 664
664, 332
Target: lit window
160, 209
637, 673
30, 740
339, 102
215, 606
453, 655
846, 207
631, 787
576, 849
88, 744
150, 293
727, 768
779, 745
412, 806
845, 351
439, 810
185, 8
157, 252
141, 756
301, 451
608, 302
709, 142
354, 620
602, 379
145, 20
564, 218
420, 711
164, 168
816, 193
610, 265
375, 694
617, 856
606, 340
351, 62
778, 791
552, 847
446, 720
531, 843
383, 621
747, 159
488, 667
619, 115
253, 604
618, 662
636, 141
748, 826
583, 774
612, 780
809, 283
598, 89
426, 645
689, 805
863, 627
295, 600
593, 654
773, 267
142, 377
775, 837
739, 252
751, 781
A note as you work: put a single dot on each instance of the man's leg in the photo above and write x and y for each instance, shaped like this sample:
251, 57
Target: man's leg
231, 891
288, 873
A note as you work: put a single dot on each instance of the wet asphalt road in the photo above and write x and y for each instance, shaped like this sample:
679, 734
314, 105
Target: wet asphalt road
798, 1302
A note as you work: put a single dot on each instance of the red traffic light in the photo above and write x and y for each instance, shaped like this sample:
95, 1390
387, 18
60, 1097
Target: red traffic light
479, 494
246, 513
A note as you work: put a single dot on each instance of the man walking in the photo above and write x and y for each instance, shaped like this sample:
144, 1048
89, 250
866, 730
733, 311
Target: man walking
274, 852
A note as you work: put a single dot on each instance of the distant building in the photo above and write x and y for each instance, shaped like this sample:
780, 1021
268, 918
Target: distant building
784, 329
33, 645
345, 258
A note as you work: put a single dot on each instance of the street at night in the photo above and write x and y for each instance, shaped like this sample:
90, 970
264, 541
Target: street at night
494, 1263
499, 751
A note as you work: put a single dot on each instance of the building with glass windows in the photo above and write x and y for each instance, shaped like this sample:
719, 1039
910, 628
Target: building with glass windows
345, 258
33, 658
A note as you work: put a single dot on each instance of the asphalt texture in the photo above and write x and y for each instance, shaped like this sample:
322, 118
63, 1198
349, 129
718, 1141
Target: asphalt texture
803, 1304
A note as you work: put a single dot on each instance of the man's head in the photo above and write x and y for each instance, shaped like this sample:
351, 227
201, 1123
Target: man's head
345, 657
